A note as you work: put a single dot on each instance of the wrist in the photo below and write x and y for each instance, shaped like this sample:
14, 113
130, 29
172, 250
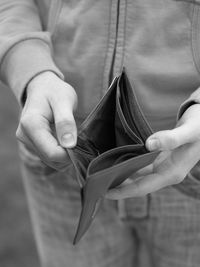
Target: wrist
37, 81
41, 78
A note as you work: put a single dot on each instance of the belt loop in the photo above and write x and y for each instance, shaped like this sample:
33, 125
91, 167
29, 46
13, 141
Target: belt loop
121, 208
148, 205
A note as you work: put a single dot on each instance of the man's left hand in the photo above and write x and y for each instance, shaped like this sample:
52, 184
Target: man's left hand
180, 151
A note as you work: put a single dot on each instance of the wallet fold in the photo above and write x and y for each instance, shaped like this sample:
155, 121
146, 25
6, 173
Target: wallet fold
110, 147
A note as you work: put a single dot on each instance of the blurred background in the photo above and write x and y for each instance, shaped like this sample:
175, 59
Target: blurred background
17, 247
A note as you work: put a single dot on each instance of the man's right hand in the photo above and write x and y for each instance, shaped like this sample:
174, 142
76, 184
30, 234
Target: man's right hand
47, 124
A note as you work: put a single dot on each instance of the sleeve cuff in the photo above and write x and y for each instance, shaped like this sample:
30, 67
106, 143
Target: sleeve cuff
193, 99
24, 61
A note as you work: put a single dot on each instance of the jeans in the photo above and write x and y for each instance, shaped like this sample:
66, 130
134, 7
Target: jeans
158, 230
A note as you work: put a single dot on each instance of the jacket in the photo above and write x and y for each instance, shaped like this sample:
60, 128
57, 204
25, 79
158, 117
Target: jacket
87, 42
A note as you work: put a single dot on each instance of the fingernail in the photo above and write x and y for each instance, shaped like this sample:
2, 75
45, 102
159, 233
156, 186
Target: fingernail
153, 144
68, 140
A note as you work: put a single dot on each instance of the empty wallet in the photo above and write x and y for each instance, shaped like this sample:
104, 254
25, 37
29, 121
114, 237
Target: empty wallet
110, 147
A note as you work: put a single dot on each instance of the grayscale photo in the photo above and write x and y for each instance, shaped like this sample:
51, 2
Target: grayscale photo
100, 133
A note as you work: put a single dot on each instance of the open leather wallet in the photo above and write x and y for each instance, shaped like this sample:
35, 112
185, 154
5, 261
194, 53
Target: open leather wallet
110, 147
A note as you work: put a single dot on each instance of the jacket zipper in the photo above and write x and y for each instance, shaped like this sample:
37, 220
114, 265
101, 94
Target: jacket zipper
111, 74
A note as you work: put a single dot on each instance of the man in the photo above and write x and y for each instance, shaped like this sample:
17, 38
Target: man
53, 51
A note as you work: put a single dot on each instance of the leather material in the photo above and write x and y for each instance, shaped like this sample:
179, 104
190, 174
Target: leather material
110, 147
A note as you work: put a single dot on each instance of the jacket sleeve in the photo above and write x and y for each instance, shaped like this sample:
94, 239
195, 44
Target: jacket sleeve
193, 99
25, 49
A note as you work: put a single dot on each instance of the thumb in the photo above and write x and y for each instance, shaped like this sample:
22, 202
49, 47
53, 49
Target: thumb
171, 139
187, 131
66, 131
65, 125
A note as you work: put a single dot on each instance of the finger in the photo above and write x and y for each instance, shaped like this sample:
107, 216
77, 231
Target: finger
56, 165
171, 139
142, 172
149, 168
188, 131
39, 133
143, 185
171, 171
140, 187
64, 122
59, 165
23, 138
